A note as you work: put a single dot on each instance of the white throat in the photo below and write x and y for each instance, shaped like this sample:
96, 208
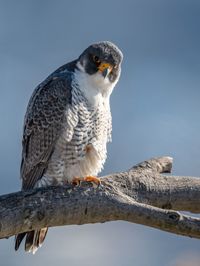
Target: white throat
95, 87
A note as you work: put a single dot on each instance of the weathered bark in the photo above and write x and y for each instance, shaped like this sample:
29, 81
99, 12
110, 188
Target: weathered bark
140, 195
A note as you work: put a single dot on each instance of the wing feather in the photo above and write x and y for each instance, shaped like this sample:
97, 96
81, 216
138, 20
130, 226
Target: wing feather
44, 122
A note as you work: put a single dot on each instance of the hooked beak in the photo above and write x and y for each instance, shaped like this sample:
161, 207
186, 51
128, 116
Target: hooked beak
105, 72
105, 69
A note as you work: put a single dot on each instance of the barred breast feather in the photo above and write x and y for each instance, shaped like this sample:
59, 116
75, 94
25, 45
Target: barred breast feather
81, 148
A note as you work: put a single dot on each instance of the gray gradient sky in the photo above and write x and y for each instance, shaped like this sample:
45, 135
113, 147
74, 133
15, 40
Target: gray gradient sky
155, 109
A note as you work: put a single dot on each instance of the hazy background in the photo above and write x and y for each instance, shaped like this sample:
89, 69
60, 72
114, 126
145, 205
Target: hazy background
155, 109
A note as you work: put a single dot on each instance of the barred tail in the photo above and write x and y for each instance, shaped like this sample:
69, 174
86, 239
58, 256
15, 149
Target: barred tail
34, 239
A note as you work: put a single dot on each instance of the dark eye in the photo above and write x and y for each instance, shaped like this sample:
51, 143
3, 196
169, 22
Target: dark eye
96, 59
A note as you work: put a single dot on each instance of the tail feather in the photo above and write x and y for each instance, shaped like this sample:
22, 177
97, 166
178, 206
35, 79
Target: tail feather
42, 235
29, 242
34, 239
18, 240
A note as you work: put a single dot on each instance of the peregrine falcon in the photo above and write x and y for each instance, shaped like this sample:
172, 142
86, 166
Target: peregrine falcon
68, 124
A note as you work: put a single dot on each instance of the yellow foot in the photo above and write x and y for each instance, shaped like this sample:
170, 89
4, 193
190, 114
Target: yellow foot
77, 180
92, 179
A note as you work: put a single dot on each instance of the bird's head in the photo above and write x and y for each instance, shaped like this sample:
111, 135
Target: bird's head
102, 62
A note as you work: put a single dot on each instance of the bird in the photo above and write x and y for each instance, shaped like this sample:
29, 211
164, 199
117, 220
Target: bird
68, 124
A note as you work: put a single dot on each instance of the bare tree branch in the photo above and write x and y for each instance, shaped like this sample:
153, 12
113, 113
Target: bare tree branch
140, 195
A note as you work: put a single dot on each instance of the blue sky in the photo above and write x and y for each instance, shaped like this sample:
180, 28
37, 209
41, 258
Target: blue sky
155, 109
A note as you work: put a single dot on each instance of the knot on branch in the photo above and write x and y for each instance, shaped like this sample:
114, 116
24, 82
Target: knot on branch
158, 164
173, 216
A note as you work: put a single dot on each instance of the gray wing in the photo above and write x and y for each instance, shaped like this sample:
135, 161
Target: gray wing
43, 125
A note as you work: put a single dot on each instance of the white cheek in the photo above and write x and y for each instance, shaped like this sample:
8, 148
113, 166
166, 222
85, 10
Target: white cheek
81, 67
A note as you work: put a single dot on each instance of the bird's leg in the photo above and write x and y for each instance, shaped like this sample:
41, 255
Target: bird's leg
77, 180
